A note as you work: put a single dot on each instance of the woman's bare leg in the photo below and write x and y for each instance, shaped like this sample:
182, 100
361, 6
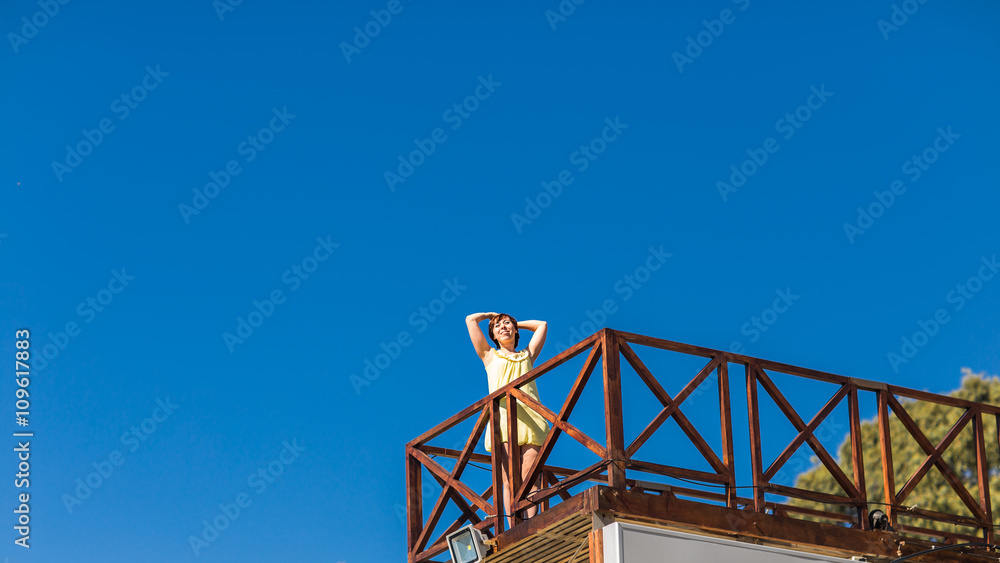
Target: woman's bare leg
528, 455
504, 457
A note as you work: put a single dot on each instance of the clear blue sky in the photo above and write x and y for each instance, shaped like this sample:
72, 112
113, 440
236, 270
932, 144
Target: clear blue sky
308, 129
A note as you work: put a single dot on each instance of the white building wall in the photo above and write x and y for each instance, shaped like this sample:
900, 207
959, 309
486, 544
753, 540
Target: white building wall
630, 543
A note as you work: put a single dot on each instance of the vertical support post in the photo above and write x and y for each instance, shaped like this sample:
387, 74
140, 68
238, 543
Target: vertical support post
983, 474
858, 456
614, 427
725, 412
496, 462
546, 482
514, 459
414, 504
756, 462
595, 546
885, 441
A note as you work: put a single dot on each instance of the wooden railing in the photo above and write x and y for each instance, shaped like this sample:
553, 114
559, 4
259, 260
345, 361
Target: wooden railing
618, 459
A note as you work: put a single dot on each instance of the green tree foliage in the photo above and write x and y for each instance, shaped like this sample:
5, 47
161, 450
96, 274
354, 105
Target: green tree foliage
933, 492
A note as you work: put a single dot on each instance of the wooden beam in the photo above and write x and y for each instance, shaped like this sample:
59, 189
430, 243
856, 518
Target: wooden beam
756, 463
562, 425
414, 502
595, 545
726, 424
885, 442
487, 459
513, 455
496, 460
573, 480
983, 477
858, 458
613, 410
680, 472
946, 400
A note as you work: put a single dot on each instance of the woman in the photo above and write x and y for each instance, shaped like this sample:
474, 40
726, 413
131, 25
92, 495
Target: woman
504, 365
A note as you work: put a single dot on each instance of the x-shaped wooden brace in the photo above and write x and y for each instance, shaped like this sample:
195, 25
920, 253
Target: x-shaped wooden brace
451, 486
806, 434
934, 457
671, 407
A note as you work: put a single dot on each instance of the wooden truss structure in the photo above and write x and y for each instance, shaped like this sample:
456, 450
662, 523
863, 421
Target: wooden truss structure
616, 489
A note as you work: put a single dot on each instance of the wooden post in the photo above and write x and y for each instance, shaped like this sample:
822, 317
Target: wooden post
613, 424
885, 441
983, 474
756, 463
514, 459
858, 457
414, 504
726, 415
496, 461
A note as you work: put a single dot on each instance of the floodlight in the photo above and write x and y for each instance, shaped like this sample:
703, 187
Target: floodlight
467, 545
879, 520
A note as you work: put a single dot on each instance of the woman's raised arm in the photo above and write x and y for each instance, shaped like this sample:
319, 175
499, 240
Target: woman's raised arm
476, 334
538, 330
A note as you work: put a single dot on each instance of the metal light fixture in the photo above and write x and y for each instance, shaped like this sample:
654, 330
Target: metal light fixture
879, 520
467, 545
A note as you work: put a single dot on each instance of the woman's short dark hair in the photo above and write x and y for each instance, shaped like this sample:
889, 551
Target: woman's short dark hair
498, 318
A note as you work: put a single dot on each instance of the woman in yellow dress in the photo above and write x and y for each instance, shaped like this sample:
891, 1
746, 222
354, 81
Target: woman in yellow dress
504, 365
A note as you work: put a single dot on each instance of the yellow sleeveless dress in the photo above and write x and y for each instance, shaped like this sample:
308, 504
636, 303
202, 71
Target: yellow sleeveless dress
502, 369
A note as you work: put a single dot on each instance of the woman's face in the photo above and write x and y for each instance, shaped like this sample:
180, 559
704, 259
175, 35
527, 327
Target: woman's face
504, 330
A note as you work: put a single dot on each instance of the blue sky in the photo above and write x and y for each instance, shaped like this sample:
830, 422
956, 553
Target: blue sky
123, 255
